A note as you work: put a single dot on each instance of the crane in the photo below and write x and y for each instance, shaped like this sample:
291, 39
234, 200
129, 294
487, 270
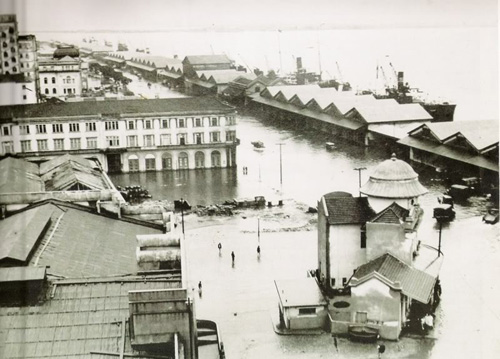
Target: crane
242, 59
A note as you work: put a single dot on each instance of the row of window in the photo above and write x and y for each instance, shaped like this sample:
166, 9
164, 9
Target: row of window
113, 125
66, 91
167, 163
132, 141
181, 122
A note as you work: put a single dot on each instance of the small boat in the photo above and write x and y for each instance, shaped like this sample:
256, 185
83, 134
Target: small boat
258, 144
363, 333
330, 146
491, 217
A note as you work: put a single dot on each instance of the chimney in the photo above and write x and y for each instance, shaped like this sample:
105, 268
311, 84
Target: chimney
400, 80
299, 63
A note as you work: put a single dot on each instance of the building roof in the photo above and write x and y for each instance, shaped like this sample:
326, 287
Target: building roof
395, 130
120, 107
80, 319
21, 232
22, 274
63, 51
347, 210
221, 77
159, 62
450, 152
18, 175
393, 178
72, 175
342, 122
207, 59
303, 292
412, 282
389, 110
394, 213
481, 134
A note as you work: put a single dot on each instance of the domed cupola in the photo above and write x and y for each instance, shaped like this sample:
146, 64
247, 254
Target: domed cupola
393, 181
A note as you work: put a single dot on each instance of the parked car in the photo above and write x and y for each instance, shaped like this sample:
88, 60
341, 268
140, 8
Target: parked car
444, 211
491, 217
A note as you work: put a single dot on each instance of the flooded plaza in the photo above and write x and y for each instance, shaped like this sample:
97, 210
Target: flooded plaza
242, 298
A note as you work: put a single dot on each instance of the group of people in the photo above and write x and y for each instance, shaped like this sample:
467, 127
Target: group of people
233, 256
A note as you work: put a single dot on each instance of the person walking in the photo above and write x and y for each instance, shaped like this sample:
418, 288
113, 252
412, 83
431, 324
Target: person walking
258, 251
220, 248
232, 256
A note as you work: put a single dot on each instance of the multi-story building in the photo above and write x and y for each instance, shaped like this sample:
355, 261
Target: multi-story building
17, 90
125, 135
9, 52
28, 56
60, 76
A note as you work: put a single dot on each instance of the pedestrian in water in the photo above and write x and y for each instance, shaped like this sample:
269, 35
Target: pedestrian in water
220, 247
336, 344
381, 350
258, 251
199, 286
232, 256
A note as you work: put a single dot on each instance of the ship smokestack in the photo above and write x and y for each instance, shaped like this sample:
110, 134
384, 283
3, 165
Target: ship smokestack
401, 83
299, 63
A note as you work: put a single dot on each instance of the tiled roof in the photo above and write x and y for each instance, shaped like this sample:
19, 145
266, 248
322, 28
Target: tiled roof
348, 210
301, 292
17, 175
122, 107
413, 283
77, 320
394, 213
207, 59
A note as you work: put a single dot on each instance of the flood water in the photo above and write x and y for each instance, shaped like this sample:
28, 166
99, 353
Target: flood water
308, 171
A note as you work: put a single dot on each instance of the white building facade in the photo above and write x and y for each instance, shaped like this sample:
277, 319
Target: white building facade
125, 135
60, 77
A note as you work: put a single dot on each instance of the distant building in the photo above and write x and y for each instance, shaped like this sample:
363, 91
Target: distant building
28, 56
193, 64
213, 81
17, 90
241, 87
9, 50
60, 76
125, 135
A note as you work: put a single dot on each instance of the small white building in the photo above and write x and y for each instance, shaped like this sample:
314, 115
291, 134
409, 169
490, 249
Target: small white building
301, 304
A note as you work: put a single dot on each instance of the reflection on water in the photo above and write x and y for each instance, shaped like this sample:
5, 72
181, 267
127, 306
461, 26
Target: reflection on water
308, 171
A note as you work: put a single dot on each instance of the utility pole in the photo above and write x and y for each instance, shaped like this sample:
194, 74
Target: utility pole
182, 215
439, 245
359, 169
281, 164
258, 229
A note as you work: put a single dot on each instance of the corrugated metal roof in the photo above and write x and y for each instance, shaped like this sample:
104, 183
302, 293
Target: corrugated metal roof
342, 122
18, 175
346, 101
348, 210
388, 110
449, 152
481, 134
20, 233
75, 251
140, 66
414, 283
224, 76
207, 59
21, 274
396, 130
303, 292
57, 161
201, 104
158, 62
81, 320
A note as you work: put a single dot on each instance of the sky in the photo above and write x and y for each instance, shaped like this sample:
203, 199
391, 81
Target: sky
161, 15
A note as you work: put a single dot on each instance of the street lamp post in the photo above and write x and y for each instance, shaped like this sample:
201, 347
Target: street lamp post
359, 169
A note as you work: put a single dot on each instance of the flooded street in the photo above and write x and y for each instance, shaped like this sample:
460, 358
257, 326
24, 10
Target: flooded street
243, 300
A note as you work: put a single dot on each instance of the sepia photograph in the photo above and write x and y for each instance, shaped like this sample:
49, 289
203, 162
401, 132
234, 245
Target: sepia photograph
216, 179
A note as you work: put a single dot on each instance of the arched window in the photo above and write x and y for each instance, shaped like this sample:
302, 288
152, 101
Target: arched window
215, 159
46, 91
53, 80
4, 44
183, 160
150, 162
133, 163
166, 161
54, 91
199, 159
